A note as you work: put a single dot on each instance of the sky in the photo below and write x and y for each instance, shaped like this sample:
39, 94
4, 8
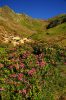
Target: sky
37, 8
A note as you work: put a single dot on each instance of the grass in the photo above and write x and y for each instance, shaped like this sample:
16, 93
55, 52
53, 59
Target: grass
28, 72
58, 30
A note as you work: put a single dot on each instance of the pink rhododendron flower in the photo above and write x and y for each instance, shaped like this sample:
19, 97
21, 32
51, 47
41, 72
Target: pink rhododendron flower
20, 76
22, 65
37, 56
10, 67
25, 55
1, 89
13, 75
41, 64
32, 71
37, 63
24, 91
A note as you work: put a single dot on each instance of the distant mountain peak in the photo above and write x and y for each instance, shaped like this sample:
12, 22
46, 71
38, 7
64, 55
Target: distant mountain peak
6, 9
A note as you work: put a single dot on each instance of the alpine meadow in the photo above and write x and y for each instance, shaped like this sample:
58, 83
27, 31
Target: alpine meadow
32, 56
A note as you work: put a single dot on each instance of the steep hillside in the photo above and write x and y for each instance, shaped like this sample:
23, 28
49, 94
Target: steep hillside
21, 25
55, 31
20, 21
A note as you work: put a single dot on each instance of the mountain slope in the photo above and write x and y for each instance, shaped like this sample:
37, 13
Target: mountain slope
24, 26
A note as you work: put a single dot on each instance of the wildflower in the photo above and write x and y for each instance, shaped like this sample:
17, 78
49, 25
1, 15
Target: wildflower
10, 67
24, 91
37, 63
22, 65
1, 89
13, 75
25, 55
31, 72
65, 63
20, 76
42, 63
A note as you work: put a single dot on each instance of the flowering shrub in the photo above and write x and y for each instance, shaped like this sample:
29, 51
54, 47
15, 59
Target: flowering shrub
34, 75
31, 72
10, 67
22, 65
13, 75
24, 91
25, 55
20, 76
2, 89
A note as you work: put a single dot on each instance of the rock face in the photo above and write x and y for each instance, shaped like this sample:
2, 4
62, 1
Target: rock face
16, 40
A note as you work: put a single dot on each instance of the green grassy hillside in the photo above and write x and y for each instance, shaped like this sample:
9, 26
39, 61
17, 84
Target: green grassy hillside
13, 24
24, 23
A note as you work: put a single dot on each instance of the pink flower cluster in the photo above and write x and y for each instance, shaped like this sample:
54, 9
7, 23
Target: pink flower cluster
32, 71
22, 65
41, 63
40, 56
2, 89
64, 63
13, 75
24, 91
20, 76
25, 55
10, 67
